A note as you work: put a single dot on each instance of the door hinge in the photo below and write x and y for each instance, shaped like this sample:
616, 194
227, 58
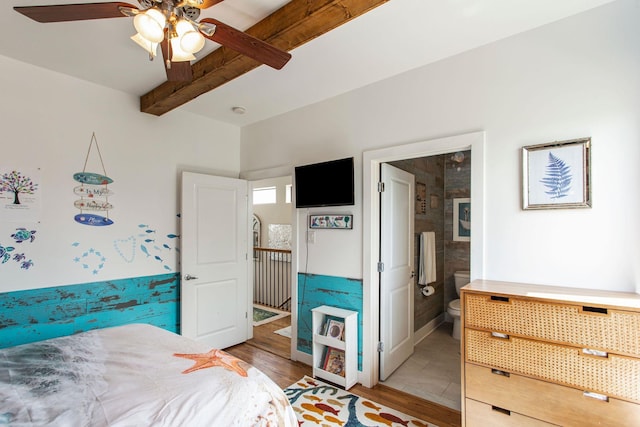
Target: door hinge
380, 267
380, 347
380, 187
246, 314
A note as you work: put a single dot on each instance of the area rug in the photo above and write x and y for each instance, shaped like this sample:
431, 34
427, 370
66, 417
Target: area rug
317, 403
285, 332
263, 314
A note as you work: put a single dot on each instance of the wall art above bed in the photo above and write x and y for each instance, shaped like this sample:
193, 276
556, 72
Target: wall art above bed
557, 175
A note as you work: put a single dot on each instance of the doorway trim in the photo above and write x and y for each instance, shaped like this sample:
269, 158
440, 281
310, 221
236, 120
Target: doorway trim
371, 160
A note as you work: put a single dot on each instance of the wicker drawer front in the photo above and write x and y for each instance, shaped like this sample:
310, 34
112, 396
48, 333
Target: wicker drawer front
615, 331
549, 402
478, 414
615, 376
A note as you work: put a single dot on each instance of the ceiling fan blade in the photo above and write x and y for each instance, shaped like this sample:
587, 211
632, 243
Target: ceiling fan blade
247, 45
205, 3
73, 12
179, 71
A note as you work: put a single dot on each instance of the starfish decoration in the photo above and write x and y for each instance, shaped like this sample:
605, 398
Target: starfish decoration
211, 359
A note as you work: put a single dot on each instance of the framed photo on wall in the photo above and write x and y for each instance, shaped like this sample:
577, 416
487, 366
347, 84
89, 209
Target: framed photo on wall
557, 175
336, 222
462, 220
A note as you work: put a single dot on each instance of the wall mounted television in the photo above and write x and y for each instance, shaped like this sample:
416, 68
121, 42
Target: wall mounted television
325, 184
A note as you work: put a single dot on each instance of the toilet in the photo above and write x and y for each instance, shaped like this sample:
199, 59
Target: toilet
461, 278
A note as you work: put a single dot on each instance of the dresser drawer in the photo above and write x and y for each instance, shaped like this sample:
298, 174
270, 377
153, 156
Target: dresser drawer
614, 376
614, 331
478, 414
550, 402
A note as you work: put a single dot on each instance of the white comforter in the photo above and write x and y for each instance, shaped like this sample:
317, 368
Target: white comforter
134, 375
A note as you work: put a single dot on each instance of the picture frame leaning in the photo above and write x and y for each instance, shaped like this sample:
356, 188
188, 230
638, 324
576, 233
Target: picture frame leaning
557, 175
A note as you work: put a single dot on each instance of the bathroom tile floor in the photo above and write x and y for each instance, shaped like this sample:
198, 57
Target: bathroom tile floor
433, 371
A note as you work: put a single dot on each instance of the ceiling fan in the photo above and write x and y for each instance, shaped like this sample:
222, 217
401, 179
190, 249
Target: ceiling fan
172, 25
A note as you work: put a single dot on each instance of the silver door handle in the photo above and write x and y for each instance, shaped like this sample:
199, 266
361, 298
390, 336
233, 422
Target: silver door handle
189, 277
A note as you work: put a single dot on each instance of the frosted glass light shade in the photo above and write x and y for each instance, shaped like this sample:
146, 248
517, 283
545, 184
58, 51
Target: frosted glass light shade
191, 41
150, 47
177, 54
150, 24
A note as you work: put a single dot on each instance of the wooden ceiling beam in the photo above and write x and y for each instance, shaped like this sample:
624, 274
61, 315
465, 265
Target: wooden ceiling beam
293, 25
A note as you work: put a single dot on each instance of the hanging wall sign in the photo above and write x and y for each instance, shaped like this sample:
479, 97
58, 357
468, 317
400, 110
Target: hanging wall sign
94, 193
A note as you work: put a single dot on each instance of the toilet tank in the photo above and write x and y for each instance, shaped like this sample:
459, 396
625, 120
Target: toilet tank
461, 278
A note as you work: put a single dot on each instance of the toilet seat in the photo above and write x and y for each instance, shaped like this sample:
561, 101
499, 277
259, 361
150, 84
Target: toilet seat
454, 311
455, 306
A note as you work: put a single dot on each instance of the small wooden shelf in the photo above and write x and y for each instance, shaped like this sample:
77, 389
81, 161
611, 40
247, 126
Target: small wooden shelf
348, 344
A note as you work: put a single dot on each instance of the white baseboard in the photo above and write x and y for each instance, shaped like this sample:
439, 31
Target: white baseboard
423, 332
303, 357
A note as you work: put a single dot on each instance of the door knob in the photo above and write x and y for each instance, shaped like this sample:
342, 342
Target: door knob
189, 277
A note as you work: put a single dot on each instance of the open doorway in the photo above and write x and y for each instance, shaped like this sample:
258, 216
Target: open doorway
272, 240
440, 243
372, 222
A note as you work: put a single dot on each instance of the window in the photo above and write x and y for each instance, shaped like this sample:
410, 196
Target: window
264, 196
287, 194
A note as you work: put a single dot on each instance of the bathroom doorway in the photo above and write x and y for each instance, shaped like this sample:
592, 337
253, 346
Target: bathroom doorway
442, 182
446, 147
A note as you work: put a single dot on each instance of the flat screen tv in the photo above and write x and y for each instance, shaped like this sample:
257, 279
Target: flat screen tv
325, 184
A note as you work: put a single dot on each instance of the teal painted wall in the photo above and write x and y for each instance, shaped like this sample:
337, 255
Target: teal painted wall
316, 290
38, 314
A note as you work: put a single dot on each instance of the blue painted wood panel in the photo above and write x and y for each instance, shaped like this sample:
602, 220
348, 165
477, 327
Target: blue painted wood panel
38, 314
316, 290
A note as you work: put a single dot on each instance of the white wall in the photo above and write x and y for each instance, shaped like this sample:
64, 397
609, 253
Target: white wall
47, 123
574, 78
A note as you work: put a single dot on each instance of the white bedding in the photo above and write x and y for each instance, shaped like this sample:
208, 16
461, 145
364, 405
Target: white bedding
134, 375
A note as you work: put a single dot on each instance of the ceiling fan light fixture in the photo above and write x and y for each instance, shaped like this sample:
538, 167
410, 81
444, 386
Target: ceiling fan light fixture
177, 54
191, 41
150, 24
150, 47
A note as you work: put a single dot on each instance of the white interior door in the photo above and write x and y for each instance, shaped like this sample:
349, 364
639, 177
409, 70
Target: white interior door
215, 296
397, 276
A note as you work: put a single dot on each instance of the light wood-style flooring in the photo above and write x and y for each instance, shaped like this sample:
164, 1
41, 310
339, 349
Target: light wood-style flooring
270, 352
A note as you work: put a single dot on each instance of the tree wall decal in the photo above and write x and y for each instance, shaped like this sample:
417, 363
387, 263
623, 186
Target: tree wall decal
16, 183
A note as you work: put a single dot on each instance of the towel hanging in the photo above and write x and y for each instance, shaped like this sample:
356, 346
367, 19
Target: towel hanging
427, 267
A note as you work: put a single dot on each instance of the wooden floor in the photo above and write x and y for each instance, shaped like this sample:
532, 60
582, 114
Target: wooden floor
265, 339
270, 352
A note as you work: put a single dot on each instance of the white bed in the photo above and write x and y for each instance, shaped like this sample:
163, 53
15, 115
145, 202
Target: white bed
134, 375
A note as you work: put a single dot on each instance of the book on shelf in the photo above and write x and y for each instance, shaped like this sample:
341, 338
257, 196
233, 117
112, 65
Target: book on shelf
334, 361
335, 329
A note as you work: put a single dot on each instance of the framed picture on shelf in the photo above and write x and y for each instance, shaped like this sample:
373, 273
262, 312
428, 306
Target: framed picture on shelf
334, 329
334, 361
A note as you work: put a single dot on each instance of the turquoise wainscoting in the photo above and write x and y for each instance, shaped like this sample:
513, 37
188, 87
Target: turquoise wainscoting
38, 314
316, 290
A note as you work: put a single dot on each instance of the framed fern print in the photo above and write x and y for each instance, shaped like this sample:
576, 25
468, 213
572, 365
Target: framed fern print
557, 175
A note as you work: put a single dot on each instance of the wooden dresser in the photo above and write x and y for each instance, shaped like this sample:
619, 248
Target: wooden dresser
543, 356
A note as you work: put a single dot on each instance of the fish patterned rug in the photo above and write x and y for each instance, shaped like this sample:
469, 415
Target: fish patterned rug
319, 404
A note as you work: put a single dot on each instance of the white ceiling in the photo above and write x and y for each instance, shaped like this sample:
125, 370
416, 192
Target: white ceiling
393, 38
